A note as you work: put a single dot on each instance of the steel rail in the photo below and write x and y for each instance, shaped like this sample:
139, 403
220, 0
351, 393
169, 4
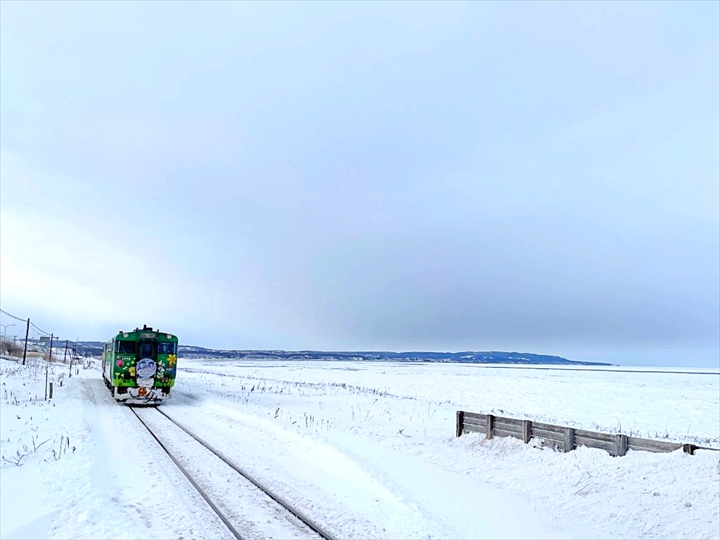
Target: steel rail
262, 487
219, 513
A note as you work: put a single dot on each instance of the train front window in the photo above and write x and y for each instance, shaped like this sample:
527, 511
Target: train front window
166, 347
126, 347
146, 350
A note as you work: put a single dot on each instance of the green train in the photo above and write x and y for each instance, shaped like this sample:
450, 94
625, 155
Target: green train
139, 367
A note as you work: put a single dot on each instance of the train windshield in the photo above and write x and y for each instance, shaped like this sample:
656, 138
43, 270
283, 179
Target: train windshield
126, 347
167, 347
147, 349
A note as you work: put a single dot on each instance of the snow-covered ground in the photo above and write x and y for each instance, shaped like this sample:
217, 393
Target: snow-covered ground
366, 448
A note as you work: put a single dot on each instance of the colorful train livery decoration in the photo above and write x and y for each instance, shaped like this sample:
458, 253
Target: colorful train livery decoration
139, 367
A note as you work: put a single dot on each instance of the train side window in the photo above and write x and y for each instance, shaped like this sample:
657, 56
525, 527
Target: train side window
126, 347
166, 347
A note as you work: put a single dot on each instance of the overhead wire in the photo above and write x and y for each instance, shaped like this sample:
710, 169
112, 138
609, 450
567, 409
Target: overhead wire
40, 331
12, 316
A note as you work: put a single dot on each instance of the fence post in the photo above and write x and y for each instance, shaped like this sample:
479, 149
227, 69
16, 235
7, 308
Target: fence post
569, 439
621, 445
489, 423
526, 430
51, 390
459, 421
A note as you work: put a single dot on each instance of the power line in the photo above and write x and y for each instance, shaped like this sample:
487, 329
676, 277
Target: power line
33, 325
12, 316
40, 329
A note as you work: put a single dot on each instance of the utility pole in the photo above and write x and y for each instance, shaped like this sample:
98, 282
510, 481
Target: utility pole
70, 362
27, 331
50, 353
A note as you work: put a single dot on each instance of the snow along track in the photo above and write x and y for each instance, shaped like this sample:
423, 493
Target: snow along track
249, 506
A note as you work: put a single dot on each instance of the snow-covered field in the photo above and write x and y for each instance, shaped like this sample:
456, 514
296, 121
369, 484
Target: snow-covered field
366, 448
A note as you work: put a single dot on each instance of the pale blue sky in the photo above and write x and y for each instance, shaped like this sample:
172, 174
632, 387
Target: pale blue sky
539, 177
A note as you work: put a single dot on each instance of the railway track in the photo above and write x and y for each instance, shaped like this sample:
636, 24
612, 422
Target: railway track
247, 507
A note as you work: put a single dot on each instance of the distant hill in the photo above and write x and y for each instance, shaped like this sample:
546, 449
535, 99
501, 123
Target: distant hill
94, 348
469, 357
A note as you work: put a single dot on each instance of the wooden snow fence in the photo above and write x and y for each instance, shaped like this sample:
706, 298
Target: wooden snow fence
562, 438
